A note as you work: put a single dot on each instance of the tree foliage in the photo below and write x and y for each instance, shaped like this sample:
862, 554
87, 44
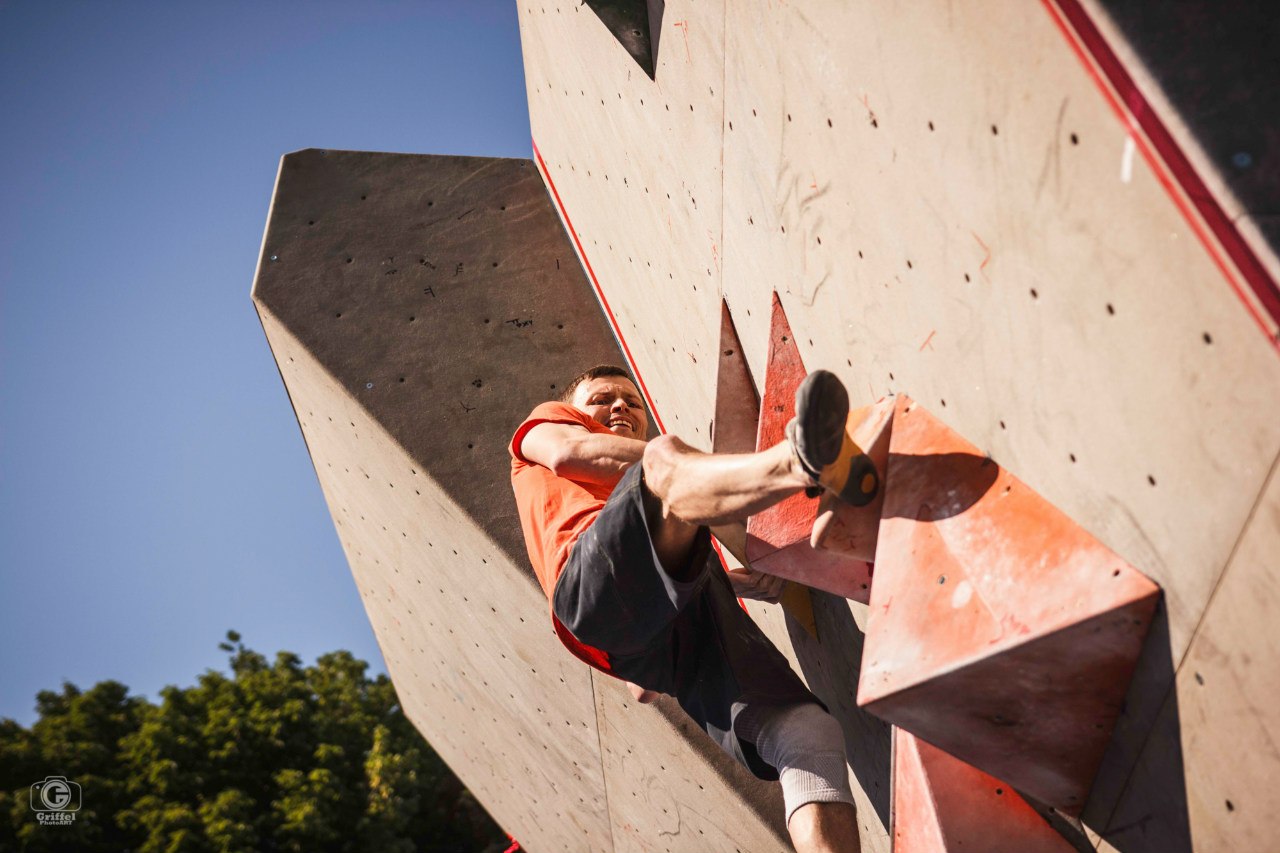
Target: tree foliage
276, 757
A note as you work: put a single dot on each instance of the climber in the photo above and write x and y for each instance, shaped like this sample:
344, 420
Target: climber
624, 554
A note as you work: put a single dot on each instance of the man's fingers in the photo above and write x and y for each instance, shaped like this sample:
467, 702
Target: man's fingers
758, 586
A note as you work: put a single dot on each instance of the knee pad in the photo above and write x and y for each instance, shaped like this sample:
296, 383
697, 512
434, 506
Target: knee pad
806, 746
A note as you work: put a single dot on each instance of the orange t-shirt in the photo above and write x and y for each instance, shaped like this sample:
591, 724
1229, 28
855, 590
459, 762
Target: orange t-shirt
555, 510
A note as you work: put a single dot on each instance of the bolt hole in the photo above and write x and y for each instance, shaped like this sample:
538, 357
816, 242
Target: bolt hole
1111, 309
1151, 480
1072, 456
1230, 806
995, 131
1034, 294
1075, 140
1208, 338
931, 125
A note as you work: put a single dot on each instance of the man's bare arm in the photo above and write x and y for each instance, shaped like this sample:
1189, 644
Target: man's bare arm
572, 451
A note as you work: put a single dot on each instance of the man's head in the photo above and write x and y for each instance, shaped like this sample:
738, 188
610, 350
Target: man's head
608, 396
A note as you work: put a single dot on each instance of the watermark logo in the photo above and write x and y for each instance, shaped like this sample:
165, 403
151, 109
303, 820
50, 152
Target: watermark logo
55, 800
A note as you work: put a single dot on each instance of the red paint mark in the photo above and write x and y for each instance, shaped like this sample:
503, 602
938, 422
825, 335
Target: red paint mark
926, 340
683, 26
1190, 189
715, 545
595, 283
987, 259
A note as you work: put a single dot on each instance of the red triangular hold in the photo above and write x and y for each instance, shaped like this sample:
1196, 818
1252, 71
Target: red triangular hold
778, 538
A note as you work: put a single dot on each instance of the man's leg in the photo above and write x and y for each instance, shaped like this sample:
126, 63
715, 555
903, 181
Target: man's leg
692, 489
824, 828
806, 745
687, 489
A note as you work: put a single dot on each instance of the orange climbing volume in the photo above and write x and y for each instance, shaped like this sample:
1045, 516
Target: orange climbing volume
998, 629
941, 805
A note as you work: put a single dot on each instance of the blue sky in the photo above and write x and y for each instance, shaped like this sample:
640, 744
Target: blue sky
154, 486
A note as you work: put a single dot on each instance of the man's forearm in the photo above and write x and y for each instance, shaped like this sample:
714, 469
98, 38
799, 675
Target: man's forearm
597, 457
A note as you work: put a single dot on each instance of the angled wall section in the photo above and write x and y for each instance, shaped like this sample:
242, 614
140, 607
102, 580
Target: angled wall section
418, 308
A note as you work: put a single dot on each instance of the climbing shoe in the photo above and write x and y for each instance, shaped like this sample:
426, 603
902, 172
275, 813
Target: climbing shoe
819, 436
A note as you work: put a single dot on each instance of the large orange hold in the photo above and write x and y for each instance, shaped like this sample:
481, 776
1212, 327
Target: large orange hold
998, 629
778, 538
942, 805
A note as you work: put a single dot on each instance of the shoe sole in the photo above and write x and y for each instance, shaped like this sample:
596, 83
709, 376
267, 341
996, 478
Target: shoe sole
822, 407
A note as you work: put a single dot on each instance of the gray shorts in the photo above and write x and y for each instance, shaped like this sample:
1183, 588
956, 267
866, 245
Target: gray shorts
690, 639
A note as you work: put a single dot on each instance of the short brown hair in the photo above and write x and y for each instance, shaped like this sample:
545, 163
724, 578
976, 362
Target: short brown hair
594, 373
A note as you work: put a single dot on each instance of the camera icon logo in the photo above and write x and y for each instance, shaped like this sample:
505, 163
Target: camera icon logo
55, 800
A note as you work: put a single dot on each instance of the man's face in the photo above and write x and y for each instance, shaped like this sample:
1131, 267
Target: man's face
614, 402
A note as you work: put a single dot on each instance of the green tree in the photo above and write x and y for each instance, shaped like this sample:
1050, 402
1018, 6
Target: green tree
276, 757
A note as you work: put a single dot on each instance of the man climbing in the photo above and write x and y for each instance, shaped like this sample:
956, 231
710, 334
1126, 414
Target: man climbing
624, 554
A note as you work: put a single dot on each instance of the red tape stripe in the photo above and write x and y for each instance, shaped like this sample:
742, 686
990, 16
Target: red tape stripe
604, 303
1190, 189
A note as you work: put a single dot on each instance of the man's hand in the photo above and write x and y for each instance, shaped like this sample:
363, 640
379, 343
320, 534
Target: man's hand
748, 583
644, 697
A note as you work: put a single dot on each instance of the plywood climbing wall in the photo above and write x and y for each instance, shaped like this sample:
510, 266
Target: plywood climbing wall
966, 204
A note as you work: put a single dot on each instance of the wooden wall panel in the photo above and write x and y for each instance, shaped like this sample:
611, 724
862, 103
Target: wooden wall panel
975, 234
636, 164
460, 625
1219, 729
